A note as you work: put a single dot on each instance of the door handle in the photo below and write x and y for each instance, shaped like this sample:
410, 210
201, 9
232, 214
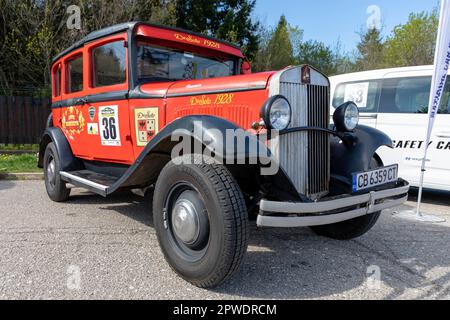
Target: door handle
81, 101
368, 116
443, 135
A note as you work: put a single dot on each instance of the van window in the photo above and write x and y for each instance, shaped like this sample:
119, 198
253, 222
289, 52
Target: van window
57, 81
109, 64
410, 95
74, 76
364, 94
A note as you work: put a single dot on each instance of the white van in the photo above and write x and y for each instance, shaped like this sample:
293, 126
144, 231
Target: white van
395, 101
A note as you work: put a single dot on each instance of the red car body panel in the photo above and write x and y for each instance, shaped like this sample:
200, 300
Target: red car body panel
237, 98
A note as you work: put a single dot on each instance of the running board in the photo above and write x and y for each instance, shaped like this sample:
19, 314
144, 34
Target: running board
95, 182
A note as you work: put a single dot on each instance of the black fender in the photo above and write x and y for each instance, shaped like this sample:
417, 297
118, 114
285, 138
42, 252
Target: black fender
354, 153
210, 133
68, 161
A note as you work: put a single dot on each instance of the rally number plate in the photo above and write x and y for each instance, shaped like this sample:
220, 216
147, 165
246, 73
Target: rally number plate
375, 178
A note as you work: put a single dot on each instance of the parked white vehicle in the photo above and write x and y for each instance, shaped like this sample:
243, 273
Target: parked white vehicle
395, 101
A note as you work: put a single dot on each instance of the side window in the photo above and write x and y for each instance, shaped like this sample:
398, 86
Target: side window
109, 64
74, 76
411, 95
365, 94
57, 81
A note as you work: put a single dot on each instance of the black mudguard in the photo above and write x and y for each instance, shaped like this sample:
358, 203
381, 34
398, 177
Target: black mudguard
68, 161
355, 153
157, 153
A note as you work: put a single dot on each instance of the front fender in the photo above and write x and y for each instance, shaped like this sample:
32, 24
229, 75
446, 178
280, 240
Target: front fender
355, 155
210, 134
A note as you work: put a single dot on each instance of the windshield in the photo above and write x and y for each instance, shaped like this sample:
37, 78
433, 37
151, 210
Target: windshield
156, 63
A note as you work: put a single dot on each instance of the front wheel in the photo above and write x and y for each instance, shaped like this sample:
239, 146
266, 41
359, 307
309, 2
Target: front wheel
201, 220
354, 228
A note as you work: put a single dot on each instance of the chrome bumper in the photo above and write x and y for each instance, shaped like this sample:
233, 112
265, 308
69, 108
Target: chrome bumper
332, 211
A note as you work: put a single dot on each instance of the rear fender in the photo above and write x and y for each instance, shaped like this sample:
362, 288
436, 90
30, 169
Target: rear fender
67, 160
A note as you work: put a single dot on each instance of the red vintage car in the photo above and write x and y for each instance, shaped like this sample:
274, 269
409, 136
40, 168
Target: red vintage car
125, 98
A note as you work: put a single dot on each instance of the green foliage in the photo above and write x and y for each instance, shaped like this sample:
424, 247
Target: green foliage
319, 55
280, 50
34, 31
226, 19
371, 50
276, 50
284, 46
18, 163
413, 43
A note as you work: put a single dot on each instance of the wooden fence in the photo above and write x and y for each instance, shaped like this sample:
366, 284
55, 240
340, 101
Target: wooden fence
23, 119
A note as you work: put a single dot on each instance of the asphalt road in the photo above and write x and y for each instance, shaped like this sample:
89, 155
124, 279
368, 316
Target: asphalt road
95, 248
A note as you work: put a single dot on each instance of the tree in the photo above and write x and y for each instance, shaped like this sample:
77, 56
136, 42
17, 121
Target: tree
370, 50
276, 50
413, 43
226, 19
318, 55
34, 31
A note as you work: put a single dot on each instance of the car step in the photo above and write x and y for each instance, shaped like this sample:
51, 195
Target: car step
95, 182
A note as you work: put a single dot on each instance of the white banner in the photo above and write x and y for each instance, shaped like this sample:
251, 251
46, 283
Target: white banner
441, 67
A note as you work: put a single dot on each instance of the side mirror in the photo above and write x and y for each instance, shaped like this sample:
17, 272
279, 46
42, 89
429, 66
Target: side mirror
246, 67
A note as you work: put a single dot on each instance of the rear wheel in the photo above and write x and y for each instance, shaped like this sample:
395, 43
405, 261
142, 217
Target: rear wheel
56, 188
354, 228
201, 221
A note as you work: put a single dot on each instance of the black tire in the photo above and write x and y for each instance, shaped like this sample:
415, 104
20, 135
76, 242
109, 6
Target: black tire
56, 188
351, 229
221, 240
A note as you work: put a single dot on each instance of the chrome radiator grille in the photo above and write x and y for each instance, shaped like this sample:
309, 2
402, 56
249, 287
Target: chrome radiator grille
319, 145
305, 156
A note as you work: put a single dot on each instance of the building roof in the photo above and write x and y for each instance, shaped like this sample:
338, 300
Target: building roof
130, 26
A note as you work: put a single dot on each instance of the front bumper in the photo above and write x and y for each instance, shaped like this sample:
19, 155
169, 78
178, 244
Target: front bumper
292, 215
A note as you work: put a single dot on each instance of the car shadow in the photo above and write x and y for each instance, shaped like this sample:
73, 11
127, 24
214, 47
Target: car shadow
297, 264
6, 184
126, 203
431, 196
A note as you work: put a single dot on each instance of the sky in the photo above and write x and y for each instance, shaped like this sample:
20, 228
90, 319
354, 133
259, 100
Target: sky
331, 21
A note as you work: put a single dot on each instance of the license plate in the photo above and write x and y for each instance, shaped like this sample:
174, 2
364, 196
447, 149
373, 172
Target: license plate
375, 178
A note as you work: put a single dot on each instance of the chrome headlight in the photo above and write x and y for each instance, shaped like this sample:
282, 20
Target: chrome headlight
277, 113
346, 117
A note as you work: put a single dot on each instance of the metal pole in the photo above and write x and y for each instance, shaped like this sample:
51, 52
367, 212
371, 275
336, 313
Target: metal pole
419, 200
422, 176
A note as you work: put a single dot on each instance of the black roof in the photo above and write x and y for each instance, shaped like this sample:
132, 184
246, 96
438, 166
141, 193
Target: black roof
130, 26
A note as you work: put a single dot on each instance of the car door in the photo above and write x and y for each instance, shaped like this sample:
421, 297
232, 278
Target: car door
107, 109
365, 94
403, 115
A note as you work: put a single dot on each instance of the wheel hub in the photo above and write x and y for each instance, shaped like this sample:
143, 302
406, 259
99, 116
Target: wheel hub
51, 172
185, 221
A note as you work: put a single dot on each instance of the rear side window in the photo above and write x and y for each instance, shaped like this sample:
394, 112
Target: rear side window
57, 81
410, 95
75, 75
109, 64
365, 94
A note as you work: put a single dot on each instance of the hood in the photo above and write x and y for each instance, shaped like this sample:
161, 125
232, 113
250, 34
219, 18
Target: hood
195, 87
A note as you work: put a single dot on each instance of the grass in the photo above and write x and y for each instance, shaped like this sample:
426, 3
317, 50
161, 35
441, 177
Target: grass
18, 163
19, 147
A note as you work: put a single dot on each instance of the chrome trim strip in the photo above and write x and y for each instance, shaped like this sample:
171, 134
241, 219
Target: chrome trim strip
207, 92
71, 178
320, 207
297, 222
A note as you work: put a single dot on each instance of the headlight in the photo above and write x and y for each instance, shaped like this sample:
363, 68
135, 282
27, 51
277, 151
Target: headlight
346, 117
276, 113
